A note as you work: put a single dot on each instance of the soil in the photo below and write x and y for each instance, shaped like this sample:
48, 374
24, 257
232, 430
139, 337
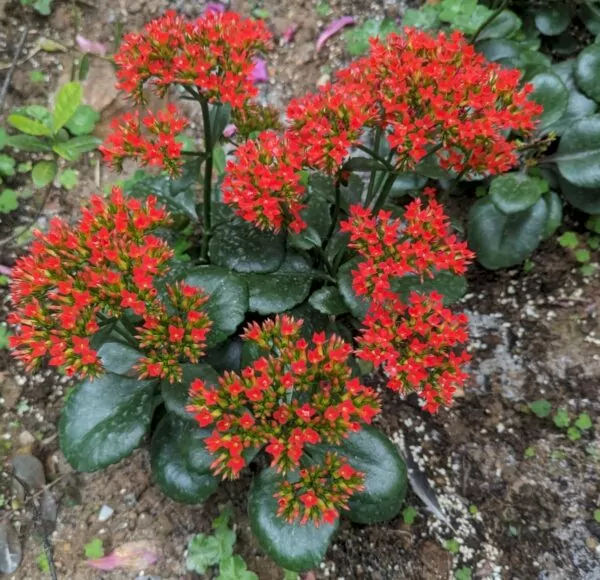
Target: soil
518, 495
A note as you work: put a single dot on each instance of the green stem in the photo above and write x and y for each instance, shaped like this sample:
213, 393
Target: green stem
323, 257
207, 201
385, 190
373, 177
375, 156
336, 212
487, 22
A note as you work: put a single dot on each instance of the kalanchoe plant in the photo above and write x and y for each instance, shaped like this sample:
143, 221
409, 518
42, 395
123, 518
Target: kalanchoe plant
297, 277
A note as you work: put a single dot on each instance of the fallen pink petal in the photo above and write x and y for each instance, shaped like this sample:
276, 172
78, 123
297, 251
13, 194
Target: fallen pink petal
91, 46
130, 556
214, 7
259, 73
230, 130
289, 33
333, 29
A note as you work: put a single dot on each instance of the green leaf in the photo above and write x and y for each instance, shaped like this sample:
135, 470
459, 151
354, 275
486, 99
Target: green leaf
118, 358
28, 126
586, 199
177, 478
220, 116
72, 149
68, 100
358, 305
3, 138
587, 71
582, 255
555, 213
225, 357
569, 240
551, 20
84, 67
8, 201
516, 192
426, 18
357, 38
83, 120
500, 240
104, 420
297, 547
541, 408
94, 549
573, 434
4, 334
43, 7
43, 173
583, 422
176, 395
464, 573
234, 568
505, 25
363, 164
372, 453
281, 290
228, 299
328, 300
561, 418
550, 92
207, 551
317, 218
578, 155
239, 246
219, 159
68, 179
409, 514
7, 165
28, 143
179, 194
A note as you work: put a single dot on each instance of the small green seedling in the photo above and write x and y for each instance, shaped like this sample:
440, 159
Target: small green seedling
464, 573
541, 408
452, 545
94, 549
409, 514
561, 418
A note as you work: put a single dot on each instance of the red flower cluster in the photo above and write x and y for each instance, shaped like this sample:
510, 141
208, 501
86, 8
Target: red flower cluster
76, 280
414, 344
418, 244
436, 90
263, 183
213, 54
319, 491
159, 148
304, 394
174, 331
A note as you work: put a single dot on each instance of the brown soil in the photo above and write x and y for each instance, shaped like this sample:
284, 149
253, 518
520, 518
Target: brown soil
519, 494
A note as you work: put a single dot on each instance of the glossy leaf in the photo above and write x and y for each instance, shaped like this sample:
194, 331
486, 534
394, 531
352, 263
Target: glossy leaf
29, 126
176, 395
83, 120
587, 71
515, 192
174, 476
239, 246
328, 300
586, 199
317, 218
72, 149
550, 92
68, 100
28, 143
372, 453
118, 358
281, 290
228, 299
505, 25
104, 420
555, 213
358, 305
43, 173
578, 155
552, 19
297, 547
501, 240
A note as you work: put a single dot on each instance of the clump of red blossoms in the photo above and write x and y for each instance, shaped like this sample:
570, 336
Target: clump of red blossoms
438, 92
420, 243
213, 55
76, 280
263, 184
156, 145
319, 491
301, 394
414, 344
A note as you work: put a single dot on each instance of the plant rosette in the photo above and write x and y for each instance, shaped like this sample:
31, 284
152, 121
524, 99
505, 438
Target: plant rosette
232, 326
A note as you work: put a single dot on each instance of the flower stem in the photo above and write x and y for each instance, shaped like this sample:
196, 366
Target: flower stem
336, 212
208, 167
375, 156
373, 177
385, 190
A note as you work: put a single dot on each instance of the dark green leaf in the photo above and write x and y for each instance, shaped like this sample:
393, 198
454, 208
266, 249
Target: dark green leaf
500, 240
372, 453
8, 200
515, 192
358, 306
426, 18
550, 92
43, 173
587, 71
405, 183
239, 246
104, 420
83, 120
553, 19
228, 302
68, 99
170, 471
500, 49
220, 116
316, 216
29, 126
297, 547
505, 25
176, 395
363, 164
72, 149
7, 165
219, 159
590, 16
225, 357
118, 358
28, 143
586, 199
328, 300
281, 290
84, 67
554, 205
578, 156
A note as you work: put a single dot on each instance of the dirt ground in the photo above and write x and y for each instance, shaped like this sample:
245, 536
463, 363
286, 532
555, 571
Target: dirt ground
518, 495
